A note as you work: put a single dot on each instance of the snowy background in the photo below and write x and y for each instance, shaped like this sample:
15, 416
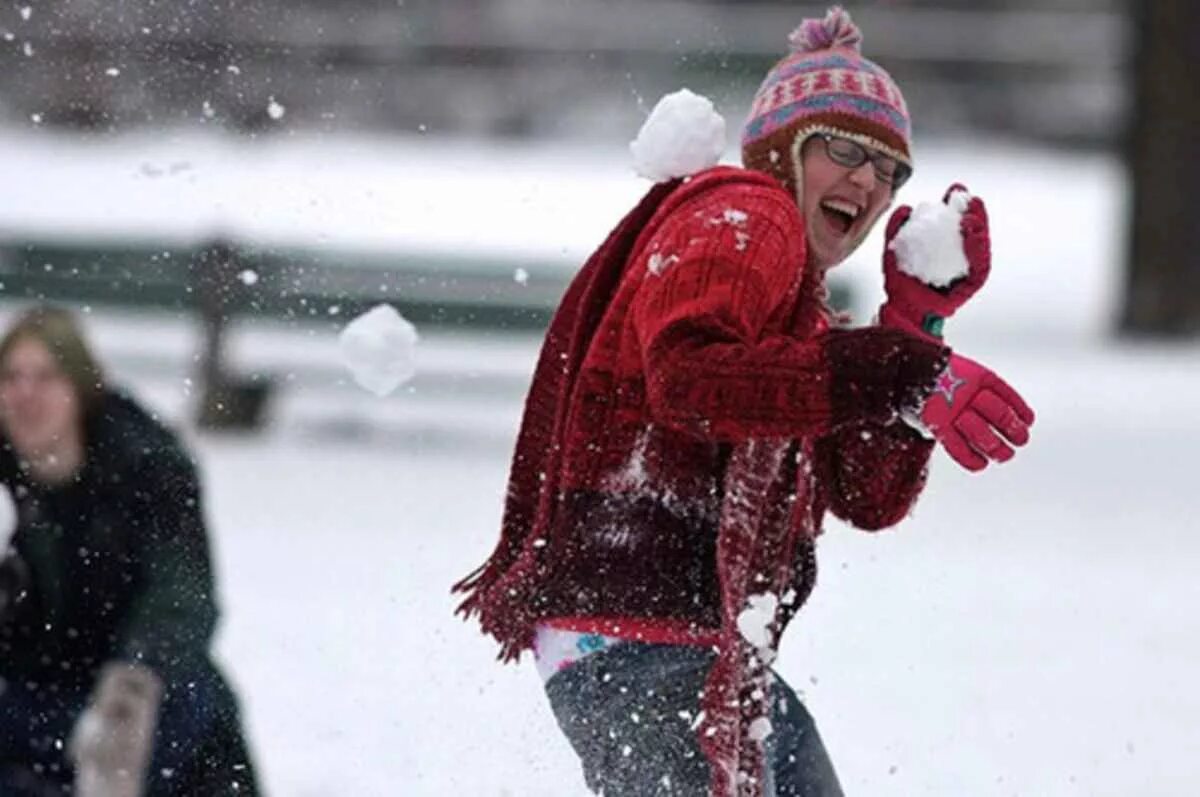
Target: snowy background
1031, 630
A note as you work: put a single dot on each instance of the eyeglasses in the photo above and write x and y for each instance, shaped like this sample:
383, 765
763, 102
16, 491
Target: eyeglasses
849, 153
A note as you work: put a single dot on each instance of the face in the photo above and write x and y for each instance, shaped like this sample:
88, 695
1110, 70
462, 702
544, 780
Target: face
840, 204
39, 407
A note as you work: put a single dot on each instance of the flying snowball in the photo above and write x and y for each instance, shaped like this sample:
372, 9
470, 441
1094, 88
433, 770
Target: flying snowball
683, 135
929, 246
379, 348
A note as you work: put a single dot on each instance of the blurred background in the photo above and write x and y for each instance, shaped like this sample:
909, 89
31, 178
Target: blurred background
218, 187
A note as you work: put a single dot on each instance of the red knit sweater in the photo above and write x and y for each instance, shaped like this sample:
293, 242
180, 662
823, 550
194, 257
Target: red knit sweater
691, 418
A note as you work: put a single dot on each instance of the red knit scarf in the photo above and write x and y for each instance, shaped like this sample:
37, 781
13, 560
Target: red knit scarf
756, 544
493, 589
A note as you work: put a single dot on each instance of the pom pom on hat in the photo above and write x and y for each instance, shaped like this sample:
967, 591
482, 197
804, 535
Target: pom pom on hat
835, 30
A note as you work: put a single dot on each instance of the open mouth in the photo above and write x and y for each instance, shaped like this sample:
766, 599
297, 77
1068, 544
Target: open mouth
840, 214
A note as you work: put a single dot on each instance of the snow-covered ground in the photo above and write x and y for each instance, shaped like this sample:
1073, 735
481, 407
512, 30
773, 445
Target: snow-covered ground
1031, 630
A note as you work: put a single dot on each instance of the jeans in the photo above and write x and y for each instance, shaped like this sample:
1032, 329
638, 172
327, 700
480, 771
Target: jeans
36, 721
628, 711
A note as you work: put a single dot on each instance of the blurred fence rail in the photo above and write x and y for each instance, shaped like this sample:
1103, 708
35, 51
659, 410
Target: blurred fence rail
295, 284
1052, 70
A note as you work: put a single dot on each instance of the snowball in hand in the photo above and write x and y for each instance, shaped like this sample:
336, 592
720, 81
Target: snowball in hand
682, 136
8, 518
379, 348
929, 246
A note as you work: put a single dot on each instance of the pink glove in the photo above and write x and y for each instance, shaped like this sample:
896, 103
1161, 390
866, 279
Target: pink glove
974, 414
917, 307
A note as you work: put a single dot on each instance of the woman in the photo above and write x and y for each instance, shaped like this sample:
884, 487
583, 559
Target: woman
110, 593
694, 414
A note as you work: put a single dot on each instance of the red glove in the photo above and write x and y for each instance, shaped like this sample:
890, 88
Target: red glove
916, 307
975, 415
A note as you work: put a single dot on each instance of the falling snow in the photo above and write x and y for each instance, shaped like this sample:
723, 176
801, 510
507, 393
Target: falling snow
755, 620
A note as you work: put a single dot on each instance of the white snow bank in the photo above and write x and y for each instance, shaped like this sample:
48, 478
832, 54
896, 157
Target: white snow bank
1056, 218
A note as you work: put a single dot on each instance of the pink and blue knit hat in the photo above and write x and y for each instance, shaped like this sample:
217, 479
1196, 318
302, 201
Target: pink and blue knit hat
826, 85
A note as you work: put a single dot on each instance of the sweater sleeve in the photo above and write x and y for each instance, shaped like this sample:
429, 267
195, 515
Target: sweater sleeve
174, 614
717, 273
873, 473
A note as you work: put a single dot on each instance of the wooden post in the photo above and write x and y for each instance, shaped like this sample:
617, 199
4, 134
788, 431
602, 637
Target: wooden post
226, 401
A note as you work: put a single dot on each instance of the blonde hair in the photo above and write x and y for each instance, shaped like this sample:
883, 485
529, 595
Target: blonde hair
57, 330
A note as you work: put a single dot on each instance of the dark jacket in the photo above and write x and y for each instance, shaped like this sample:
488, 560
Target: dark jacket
119, 568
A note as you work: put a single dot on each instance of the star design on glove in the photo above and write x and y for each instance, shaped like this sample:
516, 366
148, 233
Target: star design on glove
948, 384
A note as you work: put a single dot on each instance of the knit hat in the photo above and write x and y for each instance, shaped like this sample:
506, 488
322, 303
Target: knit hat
824, 85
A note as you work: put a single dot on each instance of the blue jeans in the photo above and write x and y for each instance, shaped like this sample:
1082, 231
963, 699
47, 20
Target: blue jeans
628, 712
36, 721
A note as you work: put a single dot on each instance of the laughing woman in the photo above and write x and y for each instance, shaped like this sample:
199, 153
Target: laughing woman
106, 592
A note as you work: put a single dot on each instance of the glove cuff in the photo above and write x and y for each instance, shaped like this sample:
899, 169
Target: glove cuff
930, 326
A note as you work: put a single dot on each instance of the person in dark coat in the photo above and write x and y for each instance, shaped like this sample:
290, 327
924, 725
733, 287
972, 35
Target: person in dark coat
107, 605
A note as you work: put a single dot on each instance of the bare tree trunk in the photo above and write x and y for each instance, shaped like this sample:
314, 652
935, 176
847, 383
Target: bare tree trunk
1163, 286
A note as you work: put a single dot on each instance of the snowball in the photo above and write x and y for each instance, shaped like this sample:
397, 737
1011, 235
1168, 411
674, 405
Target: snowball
521, 276
754, 621
929, 246
379, 348
682, 136
248, 277
8, 518
275, 110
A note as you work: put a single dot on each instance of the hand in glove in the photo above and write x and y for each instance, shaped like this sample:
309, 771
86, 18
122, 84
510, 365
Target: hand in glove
934, 261
975, 415
113, 739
